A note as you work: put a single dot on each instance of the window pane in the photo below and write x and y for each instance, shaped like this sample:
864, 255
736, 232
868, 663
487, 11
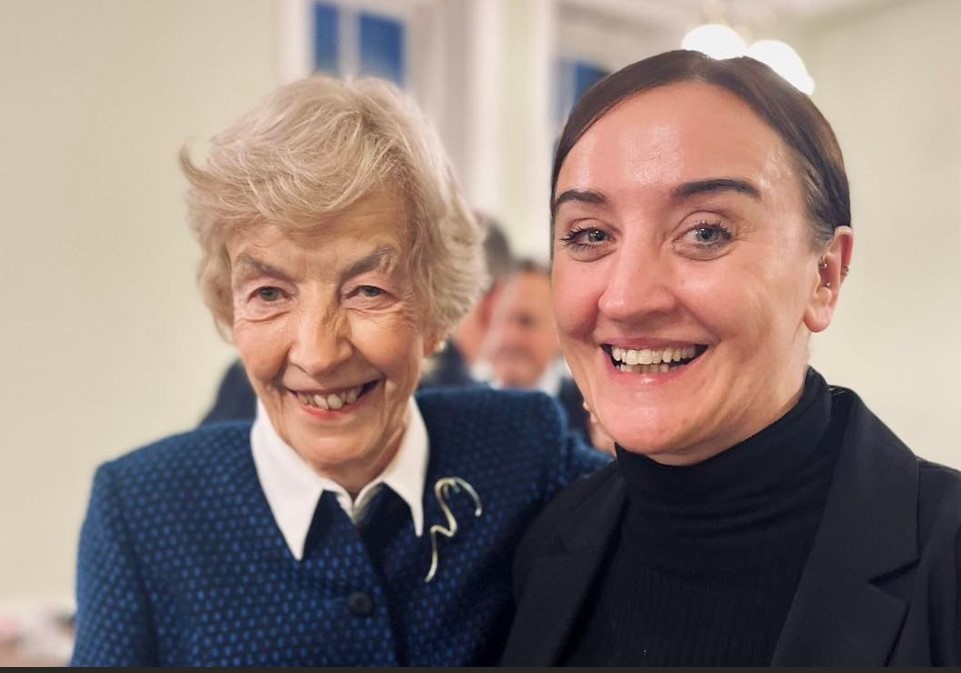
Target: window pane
382, 48
571, 79
585, 75
326, 37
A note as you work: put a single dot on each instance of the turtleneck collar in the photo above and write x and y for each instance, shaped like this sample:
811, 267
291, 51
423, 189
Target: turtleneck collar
768, 484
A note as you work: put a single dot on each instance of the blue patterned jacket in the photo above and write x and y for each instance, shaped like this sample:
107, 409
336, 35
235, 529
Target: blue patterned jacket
181, 562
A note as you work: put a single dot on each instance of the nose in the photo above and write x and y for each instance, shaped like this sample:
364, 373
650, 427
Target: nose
638, 287
321, 341
511, 334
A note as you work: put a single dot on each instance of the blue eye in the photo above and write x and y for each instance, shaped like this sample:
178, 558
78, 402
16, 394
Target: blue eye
269, 294
370, 291
711, 234
581, 238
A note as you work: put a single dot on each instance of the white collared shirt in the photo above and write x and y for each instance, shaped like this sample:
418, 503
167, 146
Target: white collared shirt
549, 382
293, 488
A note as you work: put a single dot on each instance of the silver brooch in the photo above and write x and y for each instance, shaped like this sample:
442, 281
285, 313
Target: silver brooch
442, 491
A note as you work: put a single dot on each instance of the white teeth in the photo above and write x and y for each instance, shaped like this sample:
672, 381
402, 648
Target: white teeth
650, 360
333, 401
644, 369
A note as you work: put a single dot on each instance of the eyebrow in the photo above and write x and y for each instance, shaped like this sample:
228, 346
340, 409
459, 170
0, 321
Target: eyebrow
259, 267
579, 195
380, 258
679, 193
713, 185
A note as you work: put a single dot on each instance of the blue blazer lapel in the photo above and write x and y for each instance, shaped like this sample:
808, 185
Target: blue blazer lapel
558, 585
846, 611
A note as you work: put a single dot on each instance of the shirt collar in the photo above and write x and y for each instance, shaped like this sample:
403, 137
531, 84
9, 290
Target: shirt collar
293, 488
549, 382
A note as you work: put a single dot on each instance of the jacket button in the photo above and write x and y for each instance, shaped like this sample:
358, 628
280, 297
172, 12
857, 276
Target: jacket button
360, 604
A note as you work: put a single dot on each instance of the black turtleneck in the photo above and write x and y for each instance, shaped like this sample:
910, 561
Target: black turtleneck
710, 555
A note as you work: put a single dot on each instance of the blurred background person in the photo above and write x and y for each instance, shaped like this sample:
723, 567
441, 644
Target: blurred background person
349, 523
522, 350
452, 365
235, 399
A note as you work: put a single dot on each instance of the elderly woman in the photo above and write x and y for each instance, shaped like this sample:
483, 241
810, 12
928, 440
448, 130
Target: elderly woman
755, 514
350, 523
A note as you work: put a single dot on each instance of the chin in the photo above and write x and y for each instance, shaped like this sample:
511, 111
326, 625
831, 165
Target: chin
651, 440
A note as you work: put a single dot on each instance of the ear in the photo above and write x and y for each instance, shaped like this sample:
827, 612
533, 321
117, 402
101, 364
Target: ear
434, 343
487, 303
832, 269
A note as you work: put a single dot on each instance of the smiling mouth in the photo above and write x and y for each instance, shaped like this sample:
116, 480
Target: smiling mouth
653, 360
337, 400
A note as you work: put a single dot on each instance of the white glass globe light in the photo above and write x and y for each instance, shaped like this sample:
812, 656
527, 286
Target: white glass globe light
716, 40
786, 62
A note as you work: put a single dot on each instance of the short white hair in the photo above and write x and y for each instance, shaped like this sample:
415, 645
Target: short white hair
315, 147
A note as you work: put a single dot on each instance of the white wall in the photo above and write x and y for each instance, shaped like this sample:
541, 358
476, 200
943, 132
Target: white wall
526, 136
888, 82
104, 342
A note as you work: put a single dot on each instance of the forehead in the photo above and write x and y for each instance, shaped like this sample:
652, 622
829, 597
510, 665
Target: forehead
530, 291
376, 221
674, 133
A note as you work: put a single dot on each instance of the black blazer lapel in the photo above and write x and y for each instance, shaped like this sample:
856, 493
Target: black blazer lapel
843, 613
558, 585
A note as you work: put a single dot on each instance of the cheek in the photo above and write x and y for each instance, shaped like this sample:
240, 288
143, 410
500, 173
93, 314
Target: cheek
262, 348
747, 305
393, 346
575, 301
732, 309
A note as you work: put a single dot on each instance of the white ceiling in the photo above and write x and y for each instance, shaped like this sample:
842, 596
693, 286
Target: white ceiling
612, 33
756, 14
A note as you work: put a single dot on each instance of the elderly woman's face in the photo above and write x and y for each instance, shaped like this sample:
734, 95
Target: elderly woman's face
681, 238
331, 335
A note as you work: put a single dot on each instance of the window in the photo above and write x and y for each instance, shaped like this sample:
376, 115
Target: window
573, 78
348, 41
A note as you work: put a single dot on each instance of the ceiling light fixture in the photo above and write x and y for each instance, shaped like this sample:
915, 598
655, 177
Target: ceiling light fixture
716, 40
720, 41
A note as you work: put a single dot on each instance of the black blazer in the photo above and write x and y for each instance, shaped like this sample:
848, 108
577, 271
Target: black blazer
572, 402
881, 585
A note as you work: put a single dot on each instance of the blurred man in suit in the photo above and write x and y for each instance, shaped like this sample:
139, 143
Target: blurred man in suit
451, 366
522, 350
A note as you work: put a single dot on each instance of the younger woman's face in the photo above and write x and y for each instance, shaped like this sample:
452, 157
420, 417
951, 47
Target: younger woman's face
685, 280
